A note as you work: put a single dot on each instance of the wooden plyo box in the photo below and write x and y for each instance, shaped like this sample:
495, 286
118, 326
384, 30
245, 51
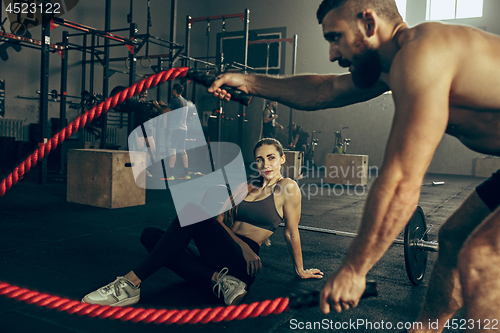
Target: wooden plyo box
346, 169
293, 164
104, 178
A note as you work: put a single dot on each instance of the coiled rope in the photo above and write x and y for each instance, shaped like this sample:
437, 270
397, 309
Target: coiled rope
88, 116
136, 315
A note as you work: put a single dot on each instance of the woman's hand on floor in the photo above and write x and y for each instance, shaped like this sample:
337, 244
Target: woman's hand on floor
311, 273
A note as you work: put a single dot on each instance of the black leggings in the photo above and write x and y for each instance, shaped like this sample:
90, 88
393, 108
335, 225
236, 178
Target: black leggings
215, 249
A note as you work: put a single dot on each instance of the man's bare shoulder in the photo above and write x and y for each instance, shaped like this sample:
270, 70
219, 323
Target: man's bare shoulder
437, 34
442, 48
427, 52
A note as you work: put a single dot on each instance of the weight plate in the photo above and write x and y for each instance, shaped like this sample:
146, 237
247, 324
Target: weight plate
213, 200
415, 259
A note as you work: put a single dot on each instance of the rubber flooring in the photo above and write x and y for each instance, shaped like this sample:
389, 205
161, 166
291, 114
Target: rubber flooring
65, 249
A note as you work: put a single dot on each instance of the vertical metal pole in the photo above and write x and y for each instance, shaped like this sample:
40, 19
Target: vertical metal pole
64, 87
294, 66
131, 77
44, 97
132, 63
173, 34
188, 35
105, 84
186, 50
81, 137
242, 108
158, 87
92, 63
220, 70
193, 92
130, 14
84, 62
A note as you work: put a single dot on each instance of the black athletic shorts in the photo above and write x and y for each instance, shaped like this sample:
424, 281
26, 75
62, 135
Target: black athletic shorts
177, 140
489, 191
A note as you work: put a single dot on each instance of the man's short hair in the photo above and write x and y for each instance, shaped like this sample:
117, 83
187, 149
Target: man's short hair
386, 9
178, 88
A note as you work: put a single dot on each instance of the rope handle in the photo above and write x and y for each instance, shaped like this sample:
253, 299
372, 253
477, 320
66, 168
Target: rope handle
207, 80
311, 298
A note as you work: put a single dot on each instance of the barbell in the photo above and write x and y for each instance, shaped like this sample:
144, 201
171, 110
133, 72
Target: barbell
415, 243
85, 96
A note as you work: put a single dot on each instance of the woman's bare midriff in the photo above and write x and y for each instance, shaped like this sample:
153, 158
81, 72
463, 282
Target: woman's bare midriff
256, 234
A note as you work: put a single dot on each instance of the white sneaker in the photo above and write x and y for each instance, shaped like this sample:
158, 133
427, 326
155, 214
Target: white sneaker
232, 288
120, 292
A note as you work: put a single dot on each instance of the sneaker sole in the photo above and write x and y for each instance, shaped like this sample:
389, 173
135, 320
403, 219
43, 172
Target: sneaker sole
128, 301
125, 302
238, 298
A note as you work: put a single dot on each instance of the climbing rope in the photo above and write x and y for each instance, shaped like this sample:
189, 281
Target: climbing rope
136, 315
80, 122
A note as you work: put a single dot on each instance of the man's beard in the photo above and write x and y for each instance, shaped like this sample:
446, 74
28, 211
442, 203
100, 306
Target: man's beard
367, 69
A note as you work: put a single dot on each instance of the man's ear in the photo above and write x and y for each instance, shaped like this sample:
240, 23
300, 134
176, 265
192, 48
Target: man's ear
369, 21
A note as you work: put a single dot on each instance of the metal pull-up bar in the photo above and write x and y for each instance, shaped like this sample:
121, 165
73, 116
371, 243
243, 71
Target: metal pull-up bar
11, 38
262, 41
56, 21
216, 17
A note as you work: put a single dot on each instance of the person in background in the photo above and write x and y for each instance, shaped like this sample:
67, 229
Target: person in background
177, 132
299, 138
269, 122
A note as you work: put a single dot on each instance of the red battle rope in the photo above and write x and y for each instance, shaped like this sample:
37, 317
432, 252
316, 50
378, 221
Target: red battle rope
136, 315
155, 316
88, 116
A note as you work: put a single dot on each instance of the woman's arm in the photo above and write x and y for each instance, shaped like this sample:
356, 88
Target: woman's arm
291, 213
254, 264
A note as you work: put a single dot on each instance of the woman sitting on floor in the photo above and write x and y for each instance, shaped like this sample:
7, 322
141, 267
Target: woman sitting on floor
229, 243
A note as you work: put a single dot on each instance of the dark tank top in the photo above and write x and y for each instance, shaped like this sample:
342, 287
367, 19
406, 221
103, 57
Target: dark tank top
262, 213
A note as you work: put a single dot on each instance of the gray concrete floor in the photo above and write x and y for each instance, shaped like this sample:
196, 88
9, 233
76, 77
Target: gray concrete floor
66, 249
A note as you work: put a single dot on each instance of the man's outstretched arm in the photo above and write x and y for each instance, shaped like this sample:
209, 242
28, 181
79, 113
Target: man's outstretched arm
302, 92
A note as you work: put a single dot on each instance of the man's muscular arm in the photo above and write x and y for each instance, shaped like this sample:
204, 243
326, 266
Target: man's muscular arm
419, 124
302, 92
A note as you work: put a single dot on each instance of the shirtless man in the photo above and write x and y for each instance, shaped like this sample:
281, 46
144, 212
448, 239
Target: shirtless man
444, 79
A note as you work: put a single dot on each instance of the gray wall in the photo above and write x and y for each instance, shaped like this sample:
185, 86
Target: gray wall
369, 123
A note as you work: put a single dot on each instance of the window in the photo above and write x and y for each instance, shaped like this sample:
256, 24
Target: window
453, 9
402, 8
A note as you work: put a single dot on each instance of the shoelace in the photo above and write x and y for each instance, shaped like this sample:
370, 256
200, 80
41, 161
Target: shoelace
115, 285
220, 282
